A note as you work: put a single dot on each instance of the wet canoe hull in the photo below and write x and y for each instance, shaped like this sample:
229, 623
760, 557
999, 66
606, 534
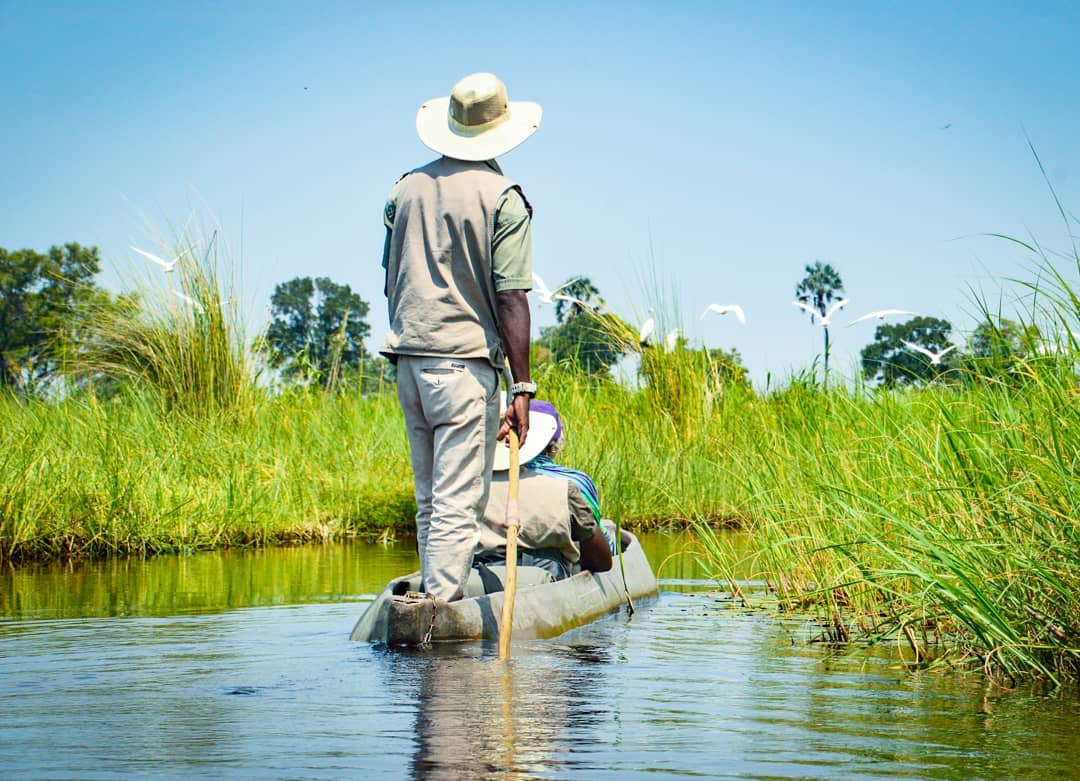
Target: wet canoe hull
540, 611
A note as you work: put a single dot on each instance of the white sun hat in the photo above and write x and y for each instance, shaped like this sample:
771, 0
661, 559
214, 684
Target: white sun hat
476, 121
544, 426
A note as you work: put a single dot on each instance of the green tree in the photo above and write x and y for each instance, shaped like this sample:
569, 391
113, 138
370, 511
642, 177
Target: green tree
584, 291
45, 300
997, 346
890, 363
587, 336
818, 289
725, 367
591, 341
317, 331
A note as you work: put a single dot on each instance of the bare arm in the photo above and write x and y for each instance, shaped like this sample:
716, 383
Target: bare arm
587, 532
596, 553
515, 322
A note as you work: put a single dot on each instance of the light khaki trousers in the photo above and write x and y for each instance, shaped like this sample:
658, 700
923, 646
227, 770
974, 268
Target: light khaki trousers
451, 408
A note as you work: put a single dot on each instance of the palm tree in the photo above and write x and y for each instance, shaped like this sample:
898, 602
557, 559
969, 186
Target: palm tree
819, 288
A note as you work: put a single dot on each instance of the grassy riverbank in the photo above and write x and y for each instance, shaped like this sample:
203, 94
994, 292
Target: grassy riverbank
933, 515
132, 475
946, 518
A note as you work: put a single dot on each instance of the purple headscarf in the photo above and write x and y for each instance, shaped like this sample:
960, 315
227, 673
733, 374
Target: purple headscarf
548, 408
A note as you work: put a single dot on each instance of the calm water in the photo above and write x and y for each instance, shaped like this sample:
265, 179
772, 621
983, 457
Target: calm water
238, 665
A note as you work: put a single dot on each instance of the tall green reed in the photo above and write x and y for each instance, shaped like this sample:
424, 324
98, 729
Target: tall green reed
184, 339
946, 517
89, 477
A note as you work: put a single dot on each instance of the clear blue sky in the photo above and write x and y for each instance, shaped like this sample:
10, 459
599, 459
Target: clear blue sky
718, 146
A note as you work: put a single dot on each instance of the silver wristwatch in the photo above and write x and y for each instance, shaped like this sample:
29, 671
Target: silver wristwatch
523, 387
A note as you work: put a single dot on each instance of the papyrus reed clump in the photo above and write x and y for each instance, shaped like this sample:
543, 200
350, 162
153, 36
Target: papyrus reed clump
181, 336
944, 518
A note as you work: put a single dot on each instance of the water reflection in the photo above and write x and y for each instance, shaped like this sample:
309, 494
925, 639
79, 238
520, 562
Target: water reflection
213, 581
479, 718
210, 581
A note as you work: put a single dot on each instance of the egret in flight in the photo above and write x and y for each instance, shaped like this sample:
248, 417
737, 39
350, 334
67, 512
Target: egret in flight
575, 301
823, 320
935, 358
723, 309
168, 266
547, 295
187, 299
882, 314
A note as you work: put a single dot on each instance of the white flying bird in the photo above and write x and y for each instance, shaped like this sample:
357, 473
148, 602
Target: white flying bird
167, 265
882, 314
935, 358
547, 295
192, 302
646, 329
724, 309
822, 321
672, 339
572, 300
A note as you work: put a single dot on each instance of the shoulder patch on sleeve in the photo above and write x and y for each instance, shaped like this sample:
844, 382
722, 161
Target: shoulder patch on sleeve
390, 210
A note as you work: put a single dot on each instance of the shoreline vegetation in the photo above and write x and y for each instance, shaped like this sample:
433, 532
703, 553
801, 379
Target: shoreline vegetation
945, 518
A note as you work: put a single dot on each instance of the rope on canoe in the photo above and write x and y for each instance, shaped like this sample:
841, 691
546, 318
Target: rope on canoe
622, 570
431, 625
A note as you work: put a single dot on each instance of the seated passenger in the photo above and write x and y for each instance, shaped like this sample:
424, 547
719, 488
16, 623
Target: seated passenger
561, 529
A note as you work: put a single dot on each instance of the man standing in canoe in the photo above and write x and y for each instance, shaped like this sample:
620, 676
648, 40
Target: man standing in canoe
458, 261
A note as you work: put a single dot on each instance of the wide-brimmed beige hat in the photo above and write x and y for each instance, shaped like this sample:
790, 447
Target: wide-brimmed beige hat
476, 121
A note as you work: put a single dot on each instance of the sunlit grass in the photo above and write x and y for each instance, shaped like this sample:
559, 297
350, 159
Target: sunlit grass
86, 477
944, 518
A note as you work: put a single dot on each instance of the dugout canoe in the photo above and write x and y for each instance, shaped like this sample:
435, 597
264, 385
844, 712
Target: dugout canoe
399, 616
